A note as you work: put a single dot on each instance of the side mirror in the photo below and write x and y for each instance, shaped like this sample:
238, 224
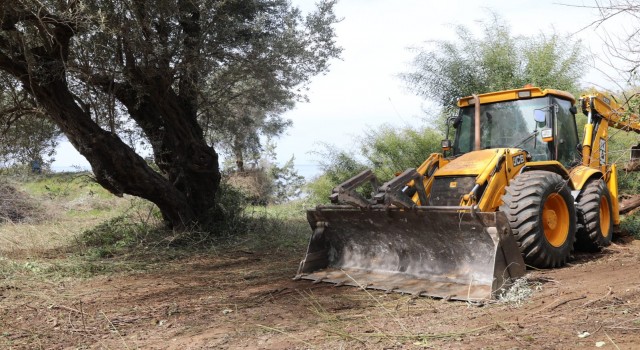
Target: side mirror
540, 116
573, 110
457, 121
446, 145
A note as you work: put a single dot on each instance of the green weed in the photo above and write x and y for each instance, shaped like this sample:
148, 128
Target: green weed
630, 224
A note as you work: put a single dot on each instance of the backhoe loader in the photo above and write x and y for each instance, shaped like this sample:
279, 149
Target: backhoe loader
515, 187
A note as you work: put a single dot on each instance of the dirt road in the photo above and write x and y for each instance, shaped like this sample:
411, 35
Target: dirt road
247, 300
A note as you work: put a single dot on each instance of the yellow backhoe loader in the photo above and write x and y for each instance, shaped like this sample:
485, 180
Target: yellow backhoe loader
514, 188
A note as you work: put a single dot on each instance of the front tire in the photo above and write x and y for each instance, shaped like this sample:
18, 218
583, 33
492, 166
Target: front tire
596, 219
542, 216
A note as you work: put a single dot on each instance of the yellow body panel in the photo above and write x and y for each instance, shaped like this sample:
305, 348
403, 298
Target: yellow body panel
598, 159
514, 161
603, 112
612, 185
581, 174
435, 161
495, 167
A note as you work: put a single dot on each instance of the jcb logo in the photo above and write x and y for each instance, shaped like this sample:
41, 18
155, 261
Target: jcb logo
519, 159
603, 151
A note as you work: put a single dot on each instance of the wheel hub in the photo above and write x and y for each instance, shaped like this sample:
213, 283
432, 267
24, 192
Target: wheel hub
550, 219
555, 220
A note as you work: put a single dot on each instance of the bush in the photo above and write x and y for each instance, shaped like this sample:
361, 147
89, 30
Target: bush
630, 225
109, 237
391, 150
231, 206
386, 150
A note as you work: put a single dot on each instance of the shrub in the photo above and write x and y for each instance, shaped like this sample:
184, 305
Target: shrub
630, 224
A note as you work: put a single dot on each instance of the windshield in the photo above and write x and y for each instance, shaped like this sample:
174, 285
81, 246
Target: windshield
504, 124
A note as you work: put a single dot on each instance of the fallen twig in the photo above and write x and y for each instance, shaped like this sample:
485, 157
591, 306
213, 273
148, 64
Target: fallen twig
611, 340
596, 300
285, 333
62, 307
344, 335
566, 301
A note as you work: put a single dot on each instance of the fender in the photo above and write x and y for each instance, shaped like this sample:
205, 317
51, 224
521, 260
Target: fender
581, 174
552, 166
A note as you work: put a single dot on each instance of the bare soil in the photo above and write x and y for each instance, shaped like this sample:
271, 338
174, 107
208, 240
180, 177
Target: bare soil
241, 299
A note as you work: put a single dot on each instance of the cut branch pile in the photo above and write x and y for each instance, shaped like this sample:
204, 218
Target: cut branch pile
17, 206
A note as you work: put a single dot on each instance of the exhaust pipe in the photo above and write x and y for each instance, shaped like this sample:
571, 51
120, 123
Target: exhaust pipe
477, 122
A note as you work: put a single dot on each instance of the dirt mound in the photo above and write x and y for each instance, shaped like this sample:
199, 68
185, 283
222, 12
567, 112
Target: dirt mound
16, 206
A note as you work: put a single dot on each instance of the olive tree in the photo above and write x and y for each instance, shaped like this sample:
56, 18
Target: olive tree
98, 67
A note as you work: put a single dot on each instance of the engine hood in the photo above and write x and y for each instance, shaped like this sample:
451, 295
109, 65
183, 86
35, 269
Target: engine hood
472, 163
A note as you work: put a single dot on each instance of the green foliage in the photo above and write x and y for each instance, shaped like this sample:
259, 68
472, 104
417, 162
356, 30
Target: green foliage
277, 227
252, 93
630, 224
288, 183
261, 228
337, 166
552, 62
386, 150
111, 236
67, 185
448, 70
319, 189
266, 181
620, 143
26, 134
390, 150
231, 205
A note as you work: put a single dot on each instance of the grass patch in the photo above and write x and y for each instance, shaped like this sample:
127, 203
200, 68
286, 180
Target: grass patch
277, 228
630, 225
63, 185
91, 233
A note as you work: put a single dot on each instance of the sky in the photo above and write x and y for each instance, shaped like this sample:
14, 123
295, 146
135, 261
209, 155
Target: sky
362, 89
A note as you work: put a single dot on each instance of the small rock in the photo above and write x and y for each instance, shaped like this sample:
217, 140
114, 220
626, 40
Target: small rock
600, 344
583, 334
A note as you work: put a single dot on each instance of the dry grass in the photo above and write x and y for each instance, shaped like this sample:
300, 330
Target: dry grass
34, 240
38, 220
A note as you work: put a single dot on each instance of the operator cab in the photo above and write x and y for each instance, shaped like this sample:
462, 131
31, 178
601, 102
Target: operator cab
543, 126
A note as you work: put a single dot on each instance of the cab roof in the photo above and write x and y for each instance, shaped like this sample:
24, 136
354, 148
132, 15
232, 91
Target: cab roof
516, 94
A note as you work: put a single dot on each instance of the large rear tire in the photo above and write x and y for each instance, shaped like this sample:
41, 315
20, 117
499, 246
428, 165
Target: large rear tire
542, 216
596, 217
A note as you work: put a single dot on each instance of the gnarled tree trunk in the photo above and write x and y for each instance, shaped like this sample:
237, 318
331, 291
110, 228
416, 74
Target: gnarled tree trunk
186, 192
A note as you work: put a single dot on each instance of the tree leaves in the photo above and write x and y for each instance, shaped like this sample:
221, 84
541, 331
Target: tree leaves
447, 70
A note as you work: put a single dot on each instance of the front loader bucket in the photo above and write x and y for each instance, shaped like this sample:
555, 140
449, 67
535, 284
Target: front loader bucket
451, 253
